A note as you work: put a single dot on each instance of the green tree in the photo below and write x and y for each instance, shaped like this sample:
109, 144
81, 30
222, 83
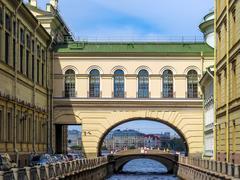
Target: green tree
177, 144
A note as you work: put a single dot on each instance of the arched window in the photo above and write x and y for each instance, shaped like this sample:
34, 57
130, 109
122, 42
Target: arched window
167, 84
192, 84
94, 83
119, 84
70, 83
143, 84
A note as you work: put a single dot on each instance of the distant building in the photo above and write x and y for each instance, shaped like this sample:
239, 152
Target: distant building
120, 139
74, 138
157, 140
207, 89
206, 82
164, 139
152, 141
207, 28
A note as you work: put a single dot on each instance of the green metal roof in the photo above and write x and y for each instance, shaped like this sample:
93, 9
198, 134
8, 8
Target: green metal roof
136, 47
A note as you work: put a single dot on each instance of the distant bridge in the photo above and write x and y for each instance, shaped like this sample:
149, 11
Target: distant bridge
170, 161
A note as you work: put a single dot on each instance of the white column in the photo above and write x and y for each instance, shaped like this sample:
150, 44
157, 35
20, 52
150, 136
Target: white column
33, 2
54, 3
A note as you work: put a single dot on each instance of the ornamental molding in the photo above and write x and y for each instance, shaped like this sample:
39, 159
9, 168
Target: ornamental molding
168, 68
189, 68
94, 67
70, 67
143, 67
119, 68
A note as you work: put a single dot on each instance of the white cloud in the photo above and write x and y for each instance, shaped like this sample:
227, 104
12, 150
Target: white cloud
172, 13
143, 17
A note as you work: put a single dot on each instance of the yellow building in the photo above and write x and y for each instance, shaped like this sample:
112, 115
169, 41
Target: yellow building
227, 80
50, 19
101, 85
24, 82
27, 36
98, 85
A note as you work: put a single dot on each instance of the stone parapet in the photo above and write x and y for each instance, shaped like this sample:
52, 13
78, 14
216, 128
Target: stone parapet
79, 169
197, 169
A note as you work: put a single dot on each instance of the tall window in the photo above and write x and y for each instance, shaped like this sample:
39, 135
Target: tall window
143, 84
38, 63
167, 84
18, 126
22, 44
94, 83
14, 43
1, 25
30, 126
43, 66
70, 83
38, 71
9, 126
233, 78
1, 16
1, 124
7, 38
33, 60
119, 84
28, 49
192, 84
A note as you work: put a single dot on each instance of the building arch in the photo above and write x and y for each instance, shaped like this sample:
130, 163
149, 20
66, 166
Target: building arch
168, 68
68, 119
94, 67
189, 68
143, 68
180, 133
119, 68
70, 67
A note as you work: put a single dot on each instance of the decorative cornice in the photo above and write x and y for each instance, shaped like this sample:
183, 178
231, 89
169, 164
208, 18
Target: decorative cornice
128, 103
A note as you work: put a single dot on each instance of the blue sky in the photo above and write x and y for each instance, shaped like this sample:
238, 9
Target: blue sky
127, 19
133, 18
144, 126
147, 127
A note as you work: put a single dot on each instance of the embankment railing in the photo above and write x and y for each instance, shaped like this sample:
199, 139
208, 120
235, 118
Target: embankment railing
53, 171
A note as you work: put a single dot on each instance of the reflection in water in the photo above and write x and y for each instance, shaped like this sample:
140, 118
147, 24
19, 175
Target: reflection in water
143, 169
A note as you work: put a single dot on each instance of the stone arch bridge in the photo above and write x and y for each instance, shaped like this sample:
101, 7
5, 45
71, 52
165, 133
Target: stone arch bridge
170, 161
99, 117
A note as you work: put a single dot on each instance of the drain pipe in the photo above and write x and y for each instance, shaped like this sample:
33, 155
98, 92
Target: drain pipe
15, 103
34, 94
49, 106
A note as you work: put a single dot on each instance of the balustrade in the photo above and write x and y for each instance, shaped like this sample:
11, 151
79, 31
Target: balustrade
223, 169
53, 171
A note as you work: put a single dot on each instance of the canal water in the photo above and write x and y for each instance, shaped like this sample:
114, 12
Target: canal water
143, 169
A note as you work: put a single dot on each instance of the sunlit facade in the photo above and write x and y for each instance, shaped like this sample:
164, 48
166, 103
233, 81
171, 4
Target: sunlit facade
127, 80
227, 81
95, 84
207, 83
26, 44
207, 86
24, 82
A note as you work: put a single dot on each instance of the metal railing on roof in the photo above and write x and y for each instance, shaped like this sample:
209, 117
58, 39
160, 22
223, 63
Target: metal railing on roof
135, 39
